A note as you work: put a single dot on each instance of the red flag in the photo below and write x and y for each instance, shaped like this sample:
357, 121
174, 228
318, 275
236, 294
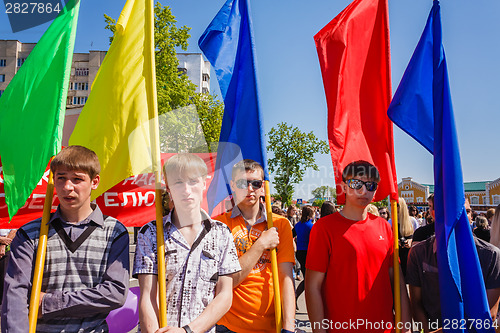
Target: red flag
353, 51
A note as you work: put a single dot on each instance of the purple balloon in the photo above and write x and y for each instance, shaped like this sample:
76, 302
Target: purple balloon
126, 318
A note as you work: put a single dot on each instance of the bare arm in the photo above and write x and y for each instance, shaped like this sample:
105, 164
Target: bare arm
314, 299
418, 309
493, 296
287, 288
269, 239
148, 303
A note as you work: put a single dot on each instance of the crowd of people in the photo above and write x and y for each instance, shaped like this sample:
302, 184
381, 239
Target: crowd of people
219, 270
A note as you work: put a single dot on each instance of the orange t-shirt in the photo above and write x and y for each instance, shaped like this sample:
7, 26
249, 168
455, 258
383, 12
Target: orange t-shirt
253, 300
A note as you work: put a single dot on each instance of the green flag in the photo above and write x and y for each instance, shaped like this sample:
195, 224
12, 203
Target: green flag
32, 109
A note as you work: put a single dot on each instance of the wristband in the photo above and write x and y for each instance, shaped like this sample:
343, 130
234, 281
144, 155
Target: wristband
285, 331
187, 329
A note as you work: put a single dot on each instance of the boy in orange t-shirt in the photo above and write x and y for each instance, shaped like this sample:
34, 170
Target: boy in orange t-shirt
253, 295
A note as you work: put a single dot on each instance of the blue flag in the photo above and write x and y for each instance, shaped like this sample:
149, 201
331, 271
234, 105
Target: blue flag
228, 45
422, 108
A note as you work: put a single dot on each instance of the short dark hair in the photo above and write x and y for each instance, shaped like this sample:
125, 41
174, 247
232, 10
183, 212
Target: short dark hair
359, 169
245, 166
307, 213
327, 208
77, 158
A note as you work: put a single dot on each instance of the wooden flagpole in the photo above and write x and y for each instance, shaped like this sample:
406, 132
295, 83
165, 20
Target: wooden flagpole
396, 290
156, 160
40, 256
274, 263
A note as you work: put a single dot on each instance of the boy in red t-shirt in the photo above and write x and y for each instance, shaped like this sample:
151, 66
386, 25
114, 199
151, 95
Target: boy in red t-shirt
349, 263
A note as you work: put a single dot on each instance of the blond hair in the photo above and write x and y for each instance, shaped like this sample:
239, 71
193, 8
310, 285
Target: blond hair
185, 165
404, 222
372, 209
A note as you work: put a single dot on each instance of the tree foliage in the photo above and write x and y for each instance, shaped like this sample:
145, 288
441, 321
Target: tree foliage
174, 89
382, 203
318, 202
293, 153
323, 192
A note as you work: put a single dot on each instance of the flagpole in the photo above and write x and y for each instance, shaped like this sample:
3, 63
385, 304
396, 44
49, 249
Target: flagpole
397, 291
156, 160
274, 263
40, 256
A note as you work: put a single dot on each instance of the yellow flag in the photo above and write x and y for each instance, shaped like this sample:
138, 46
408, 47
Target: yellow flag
115, 121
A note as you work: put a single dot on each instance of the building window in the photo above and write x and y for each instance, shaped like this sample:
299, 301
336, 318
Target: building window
204, 90
2, 77
485, 200
474, 200
81, 71
3, 62
496, 199
82, 86
20, 61
206, 77
79, 100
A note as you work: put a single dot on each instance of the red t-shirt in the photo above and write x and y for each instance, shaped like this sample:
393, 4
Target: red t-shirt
356, 256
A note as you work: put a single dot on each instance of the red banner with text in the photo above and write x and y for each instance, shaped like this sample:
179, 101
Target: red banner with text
131, 201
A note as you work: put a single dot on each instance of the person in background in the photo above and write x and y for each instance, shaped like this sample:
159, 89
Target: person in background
405, 233
489, 215
383, 213
482, 229
423, 279
291, 215
316, 213
327, 208
469, 212
427, 230
413, 211
277, 210
495, 228
6, 237
303, 229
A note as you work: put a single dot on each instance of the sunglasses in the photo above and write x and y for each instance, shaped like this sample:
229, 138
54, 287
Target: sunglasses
243, 184
357, 184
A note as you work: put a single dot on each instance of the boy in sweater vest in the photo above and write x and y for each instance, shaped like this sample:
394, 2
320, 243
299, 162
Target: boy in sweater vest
87, 262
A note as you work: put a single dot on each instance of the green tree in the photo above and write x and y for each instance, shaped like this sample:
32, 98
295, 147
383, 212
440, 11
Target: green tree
293, 153
323, 191
174, 89
318, 202
382, 203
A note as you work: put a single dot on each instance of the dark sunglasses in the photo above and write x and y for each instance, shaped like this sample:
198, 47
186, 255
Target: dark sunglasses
243, 184
357, 184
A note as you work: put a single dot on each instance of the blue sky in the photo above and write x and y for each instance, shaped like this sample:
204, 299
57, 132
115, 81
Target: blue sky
291, 88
